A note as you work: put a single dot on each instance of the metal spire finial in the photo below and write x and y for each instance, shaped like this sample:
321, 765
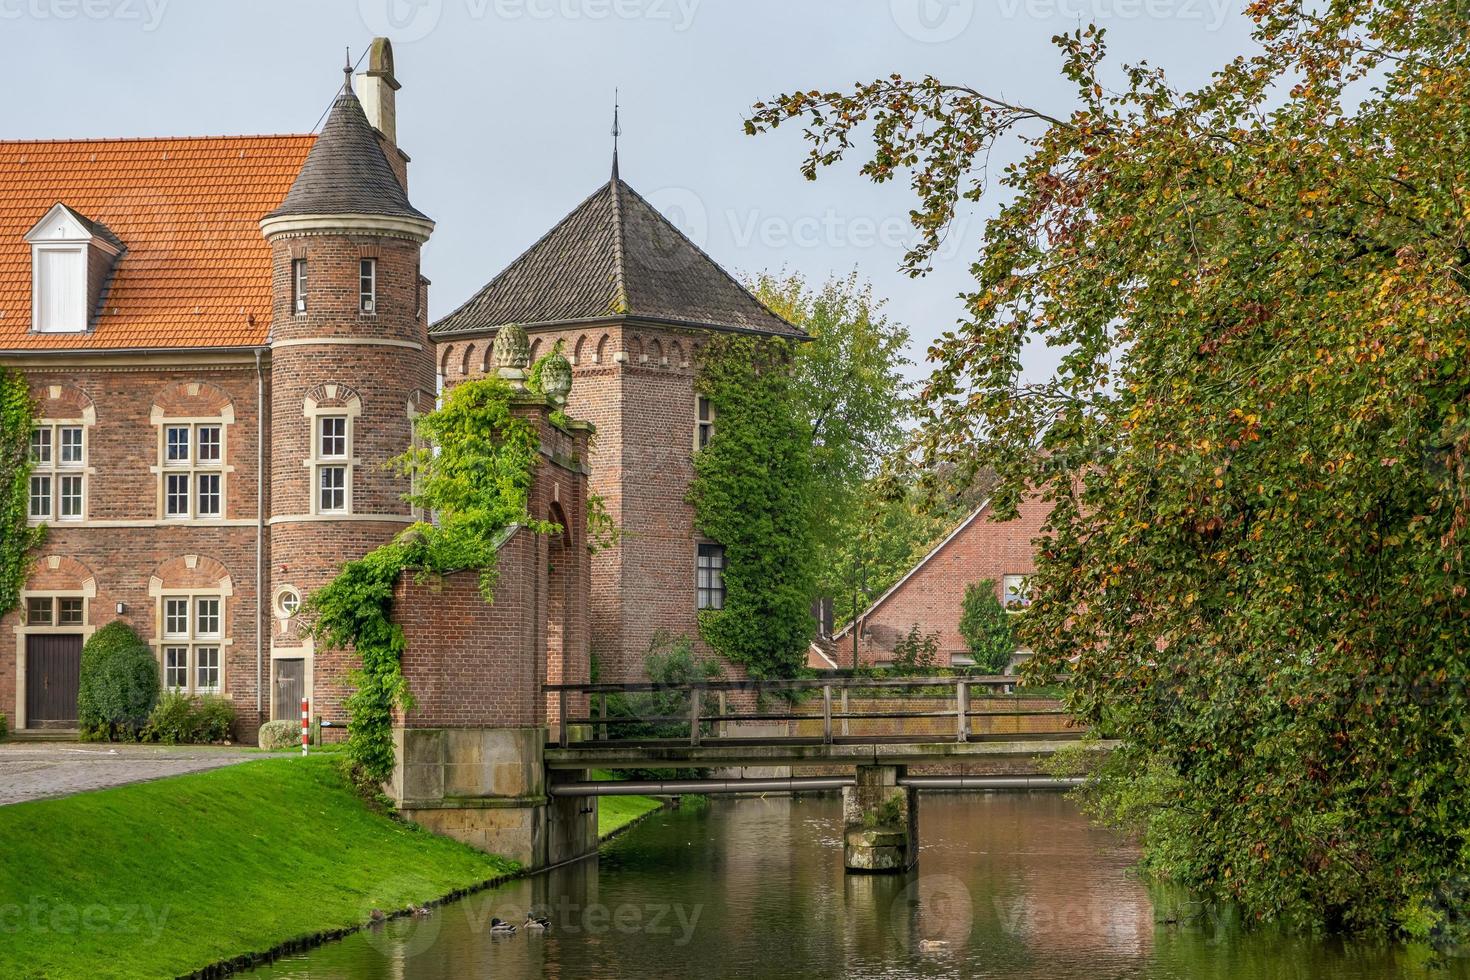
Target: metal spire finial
617, 131
347, 71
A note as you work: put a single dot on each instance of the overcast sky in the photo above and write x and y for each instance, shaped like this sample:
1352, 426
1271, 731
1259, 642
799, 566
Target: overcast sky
506, 106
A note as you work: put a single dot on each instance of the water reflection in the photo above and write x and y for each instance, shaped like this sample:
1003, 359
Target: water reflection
1011, 886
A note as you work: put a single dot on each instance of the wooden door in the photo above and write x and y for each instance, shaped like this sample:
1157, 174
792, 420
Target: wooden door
290, 689
53, 677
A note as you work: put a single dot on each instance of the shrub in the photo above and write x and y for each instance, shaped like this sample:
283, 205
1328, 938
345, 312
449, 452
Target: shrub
171, 721
671, 661
214, 719
4, 728
916, 653
119, 684
279, 735
986, 627
180, 720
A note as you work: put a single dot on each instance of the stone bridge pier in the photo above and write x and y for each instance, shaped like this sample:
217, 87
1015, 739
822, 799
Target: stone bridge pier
880, 817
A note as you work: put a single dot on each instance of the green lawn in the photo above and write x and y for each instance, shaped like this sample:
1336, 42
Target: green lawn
616, 812
163, 878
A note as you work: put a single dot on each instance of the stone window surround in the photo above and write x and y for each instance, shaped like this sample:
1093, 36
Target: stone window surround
351, 409
55, 469
87, 592
223, 590
700, 425
162, 423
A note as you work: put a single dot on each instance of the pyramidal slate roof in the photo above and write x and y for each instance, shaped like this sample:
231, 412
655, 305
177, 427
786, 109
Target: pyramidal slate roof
615, 257
346, 171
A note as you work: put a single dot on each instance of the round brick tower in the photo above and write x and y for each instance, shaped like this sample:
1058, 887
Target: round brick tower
351, 364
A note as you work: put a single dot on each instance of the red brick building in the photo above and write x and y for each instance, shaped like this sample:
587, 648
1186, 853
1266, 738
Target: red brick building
931, 593
632, 301
228, 339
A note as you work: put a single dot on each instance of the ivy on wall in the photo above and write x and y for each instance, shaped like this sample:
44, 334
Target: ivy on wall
17, 537
753, 493
476, 481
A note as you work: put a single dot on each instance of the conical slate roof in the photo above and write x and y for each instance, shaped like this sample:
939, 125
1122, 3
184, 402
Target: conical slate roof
613, 257
346, 171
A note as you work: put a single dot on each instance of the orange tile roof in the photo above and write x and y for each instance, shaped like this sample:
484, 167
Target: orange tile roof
196, 273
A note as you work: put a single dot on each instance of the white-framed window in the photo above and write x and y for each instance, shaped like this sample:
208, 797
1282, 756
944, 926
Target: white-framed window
332, 451
193, 485
367, 286
60, 611
58, 484
193, 634
1015, 592
288, 601
298, 286
704, 421
709, 572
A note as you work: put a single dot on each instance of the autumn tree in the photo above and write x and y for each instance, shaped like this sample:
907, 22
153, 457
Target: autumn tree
1256, 441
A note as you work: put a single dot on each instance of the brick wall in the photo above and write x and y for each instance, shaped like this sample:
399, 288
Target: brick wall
474, 664
636, 385
933, 594
123, 542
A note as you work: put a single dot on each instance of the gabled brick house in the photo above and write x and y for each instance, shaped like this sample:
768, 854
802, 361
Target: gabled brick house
930, 594
228, 338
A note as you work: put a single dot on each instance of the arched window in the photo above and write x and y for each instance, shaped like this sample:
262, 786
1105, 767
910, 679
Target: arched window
193, 420
192, 623
332, 411
61, 467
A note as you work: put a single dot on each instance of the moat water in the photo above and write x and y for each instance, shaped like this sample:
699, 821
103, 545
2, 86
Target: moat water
1008, 885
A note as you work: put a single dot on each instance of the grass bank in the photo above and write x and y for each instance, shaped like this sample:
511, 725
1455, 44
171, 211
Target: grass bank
164, 878
617, 812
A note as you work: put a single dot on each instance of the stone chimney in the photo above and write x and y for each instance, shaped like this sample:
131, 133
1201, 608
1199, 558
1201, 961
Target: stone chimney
377, 90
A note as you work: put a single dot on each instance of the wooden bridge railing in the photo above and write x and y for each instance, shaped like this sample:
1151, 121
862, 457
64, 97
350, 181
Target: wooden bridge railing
709, 705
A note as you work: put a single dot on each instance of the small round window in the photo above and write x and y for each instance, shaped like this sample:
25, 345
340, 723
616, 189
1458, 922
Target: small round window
288, 600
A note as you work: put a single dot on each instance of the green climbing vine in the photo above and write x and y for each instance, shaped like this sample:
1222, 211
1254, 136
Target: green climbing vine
475, 479
753, 493
17, 537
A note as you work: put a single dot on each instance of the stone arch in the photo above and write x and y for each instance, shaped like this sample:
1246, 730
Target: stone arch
676, 354
465, 359
445, 359
66, 403
332, 396
191, 573
603, 343
635, 349
61, 573
192, 400
579, 350
656, 353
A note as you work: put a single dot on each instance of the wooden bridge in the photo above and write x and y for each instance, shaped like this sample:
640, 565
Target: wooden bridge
872, 728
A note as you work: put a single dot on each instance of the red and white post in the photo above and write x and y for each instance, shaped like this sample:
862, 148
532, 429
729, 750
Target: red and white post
305, 724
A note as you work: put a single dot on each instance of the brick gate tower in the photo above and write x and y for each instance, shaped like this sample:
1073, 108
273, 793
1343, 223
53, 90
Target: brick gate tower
350, 366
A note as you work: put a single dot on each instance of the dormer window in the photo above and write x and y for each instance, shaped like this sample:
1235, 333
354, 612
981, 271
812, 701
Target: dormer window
71, 258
